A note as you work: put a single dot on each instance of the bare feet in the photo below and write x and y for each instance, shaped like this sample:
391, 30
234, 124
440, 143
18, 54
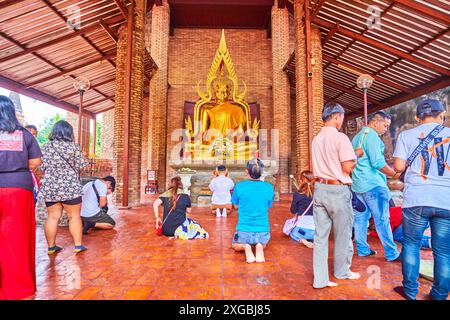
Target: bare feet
249, 254
260, 253
307, 243
332, 284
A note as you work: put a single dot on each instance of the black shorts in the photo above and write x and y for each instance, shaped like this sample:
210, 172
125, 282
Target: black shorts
68, 202
101, 217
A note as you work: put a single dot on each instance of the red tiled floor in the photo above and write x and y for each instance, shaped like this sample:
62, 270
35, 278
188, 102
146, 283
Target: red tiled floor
131, 262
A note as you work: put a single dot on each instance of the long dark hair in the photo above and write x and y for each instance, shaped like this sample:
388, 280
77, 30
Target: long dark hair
175, 184
62, 131
8, 118
307, 183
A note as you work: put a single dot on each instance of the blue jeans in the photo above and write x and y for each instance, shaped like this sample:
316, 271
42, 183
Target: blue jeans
377, 204
398, 236
415, 221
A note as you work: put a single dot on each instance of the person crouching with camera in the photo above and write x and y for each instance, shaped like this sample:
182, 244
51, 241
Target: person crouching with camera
94, 208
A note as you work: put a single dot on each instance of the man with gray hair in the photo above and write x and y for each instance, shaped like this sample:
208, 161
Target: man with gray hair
333, 160
370, 184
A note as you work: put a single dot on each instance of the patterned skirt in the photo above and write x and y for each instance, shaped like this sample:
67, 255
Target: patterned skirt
190, 230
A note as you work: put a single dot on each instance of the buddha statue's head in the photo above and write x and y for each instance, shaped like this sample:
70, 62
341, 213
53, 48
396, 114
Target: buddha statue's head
222, 91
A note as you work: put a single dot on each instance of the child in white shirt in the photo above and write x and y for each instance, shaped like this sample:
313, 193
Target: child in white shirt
221, 187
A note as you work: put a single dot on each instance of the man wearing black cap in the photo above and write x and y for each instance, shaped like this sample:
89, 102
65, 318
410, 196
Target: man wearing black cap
333, 160
424, 153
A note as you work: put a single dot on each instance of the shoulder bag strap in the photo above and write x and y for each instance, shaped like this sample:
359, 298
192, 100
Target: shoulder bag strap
304, 212
61, 156
96, 191
423, 144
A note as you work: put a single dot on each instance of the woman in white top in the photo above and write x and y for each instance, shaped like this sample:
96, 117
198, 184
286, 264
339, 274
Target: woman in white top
221, 187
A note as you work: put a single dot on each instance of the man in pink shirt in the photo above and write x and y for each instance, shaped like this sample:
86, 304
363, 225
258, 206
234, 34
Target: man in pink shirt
333, 159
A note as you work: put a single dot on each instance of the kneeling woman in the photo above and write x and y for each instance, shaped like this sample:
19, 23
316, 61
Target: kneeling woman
175, 223
253, 198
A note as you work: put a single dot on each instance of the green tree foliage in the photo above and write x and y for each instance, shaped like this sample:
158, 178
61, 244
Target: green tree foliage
45, 128
98, 139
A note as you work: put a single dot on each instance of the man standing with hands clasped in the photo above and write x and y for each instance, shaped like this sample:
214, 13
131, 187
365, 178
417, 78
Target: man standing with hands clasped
370, 185
333, 159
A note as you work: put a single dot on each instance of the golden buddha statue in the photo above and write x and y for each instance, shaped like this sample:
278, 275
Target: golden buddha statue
224, 116
222, 128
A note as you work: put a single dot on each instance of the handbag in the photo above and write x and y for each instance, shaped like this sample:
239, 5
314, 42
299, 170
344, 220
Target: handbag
160, 225
290, 224
422, 145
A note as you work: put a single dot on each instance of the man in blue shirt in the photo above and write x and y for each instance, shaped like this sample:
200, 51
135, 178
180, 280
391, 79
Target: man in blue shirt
370, 185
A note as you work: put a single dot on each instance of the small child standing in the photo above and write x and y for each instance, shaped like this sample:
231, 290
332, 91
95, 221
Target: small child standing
221, 187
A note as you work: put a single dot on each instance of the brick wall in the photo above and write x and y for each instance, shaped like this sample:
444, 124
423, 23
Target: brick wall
191, 52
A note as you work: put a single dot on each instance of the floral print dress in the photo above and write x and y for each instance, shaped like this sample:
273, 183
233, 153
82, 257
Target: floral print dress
61, 181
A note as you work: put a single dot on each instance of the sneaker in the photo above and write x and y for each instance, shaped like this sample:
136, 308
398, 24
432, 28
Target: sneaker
398, 259
372, 253
224, 212
54, 249
401, 292
78, 249
218, 213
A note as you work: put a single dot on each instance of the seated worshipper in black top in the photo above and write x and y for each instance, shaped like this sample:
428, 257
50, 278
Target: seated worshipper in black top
175, 223
302, 206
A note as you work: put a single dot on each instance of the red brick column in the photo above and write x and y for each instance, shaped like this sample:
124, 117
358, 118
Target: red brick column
281, 94
317, 79
157, 135
137, 81
301, 105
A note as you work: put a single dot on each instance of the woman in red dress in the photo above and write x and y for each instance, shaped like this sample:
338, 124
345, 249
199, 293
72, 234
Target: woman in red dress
19, 153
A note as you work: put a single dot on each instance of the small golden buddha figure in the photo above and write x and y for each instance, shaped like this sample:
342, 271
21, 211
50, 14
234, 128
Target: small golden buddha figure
224, 115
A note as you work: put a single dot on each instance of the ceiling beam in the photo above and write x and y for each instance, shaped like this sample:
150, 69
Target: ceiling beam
58, 40
379, 45
440, 35
348, 91
421, 8
361, 71
59, 74
109, 31
330, 34
346, 106
317, 8
8, 3
122, 8
97, 102
38, 95
89, 42
68, 96
421, 90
